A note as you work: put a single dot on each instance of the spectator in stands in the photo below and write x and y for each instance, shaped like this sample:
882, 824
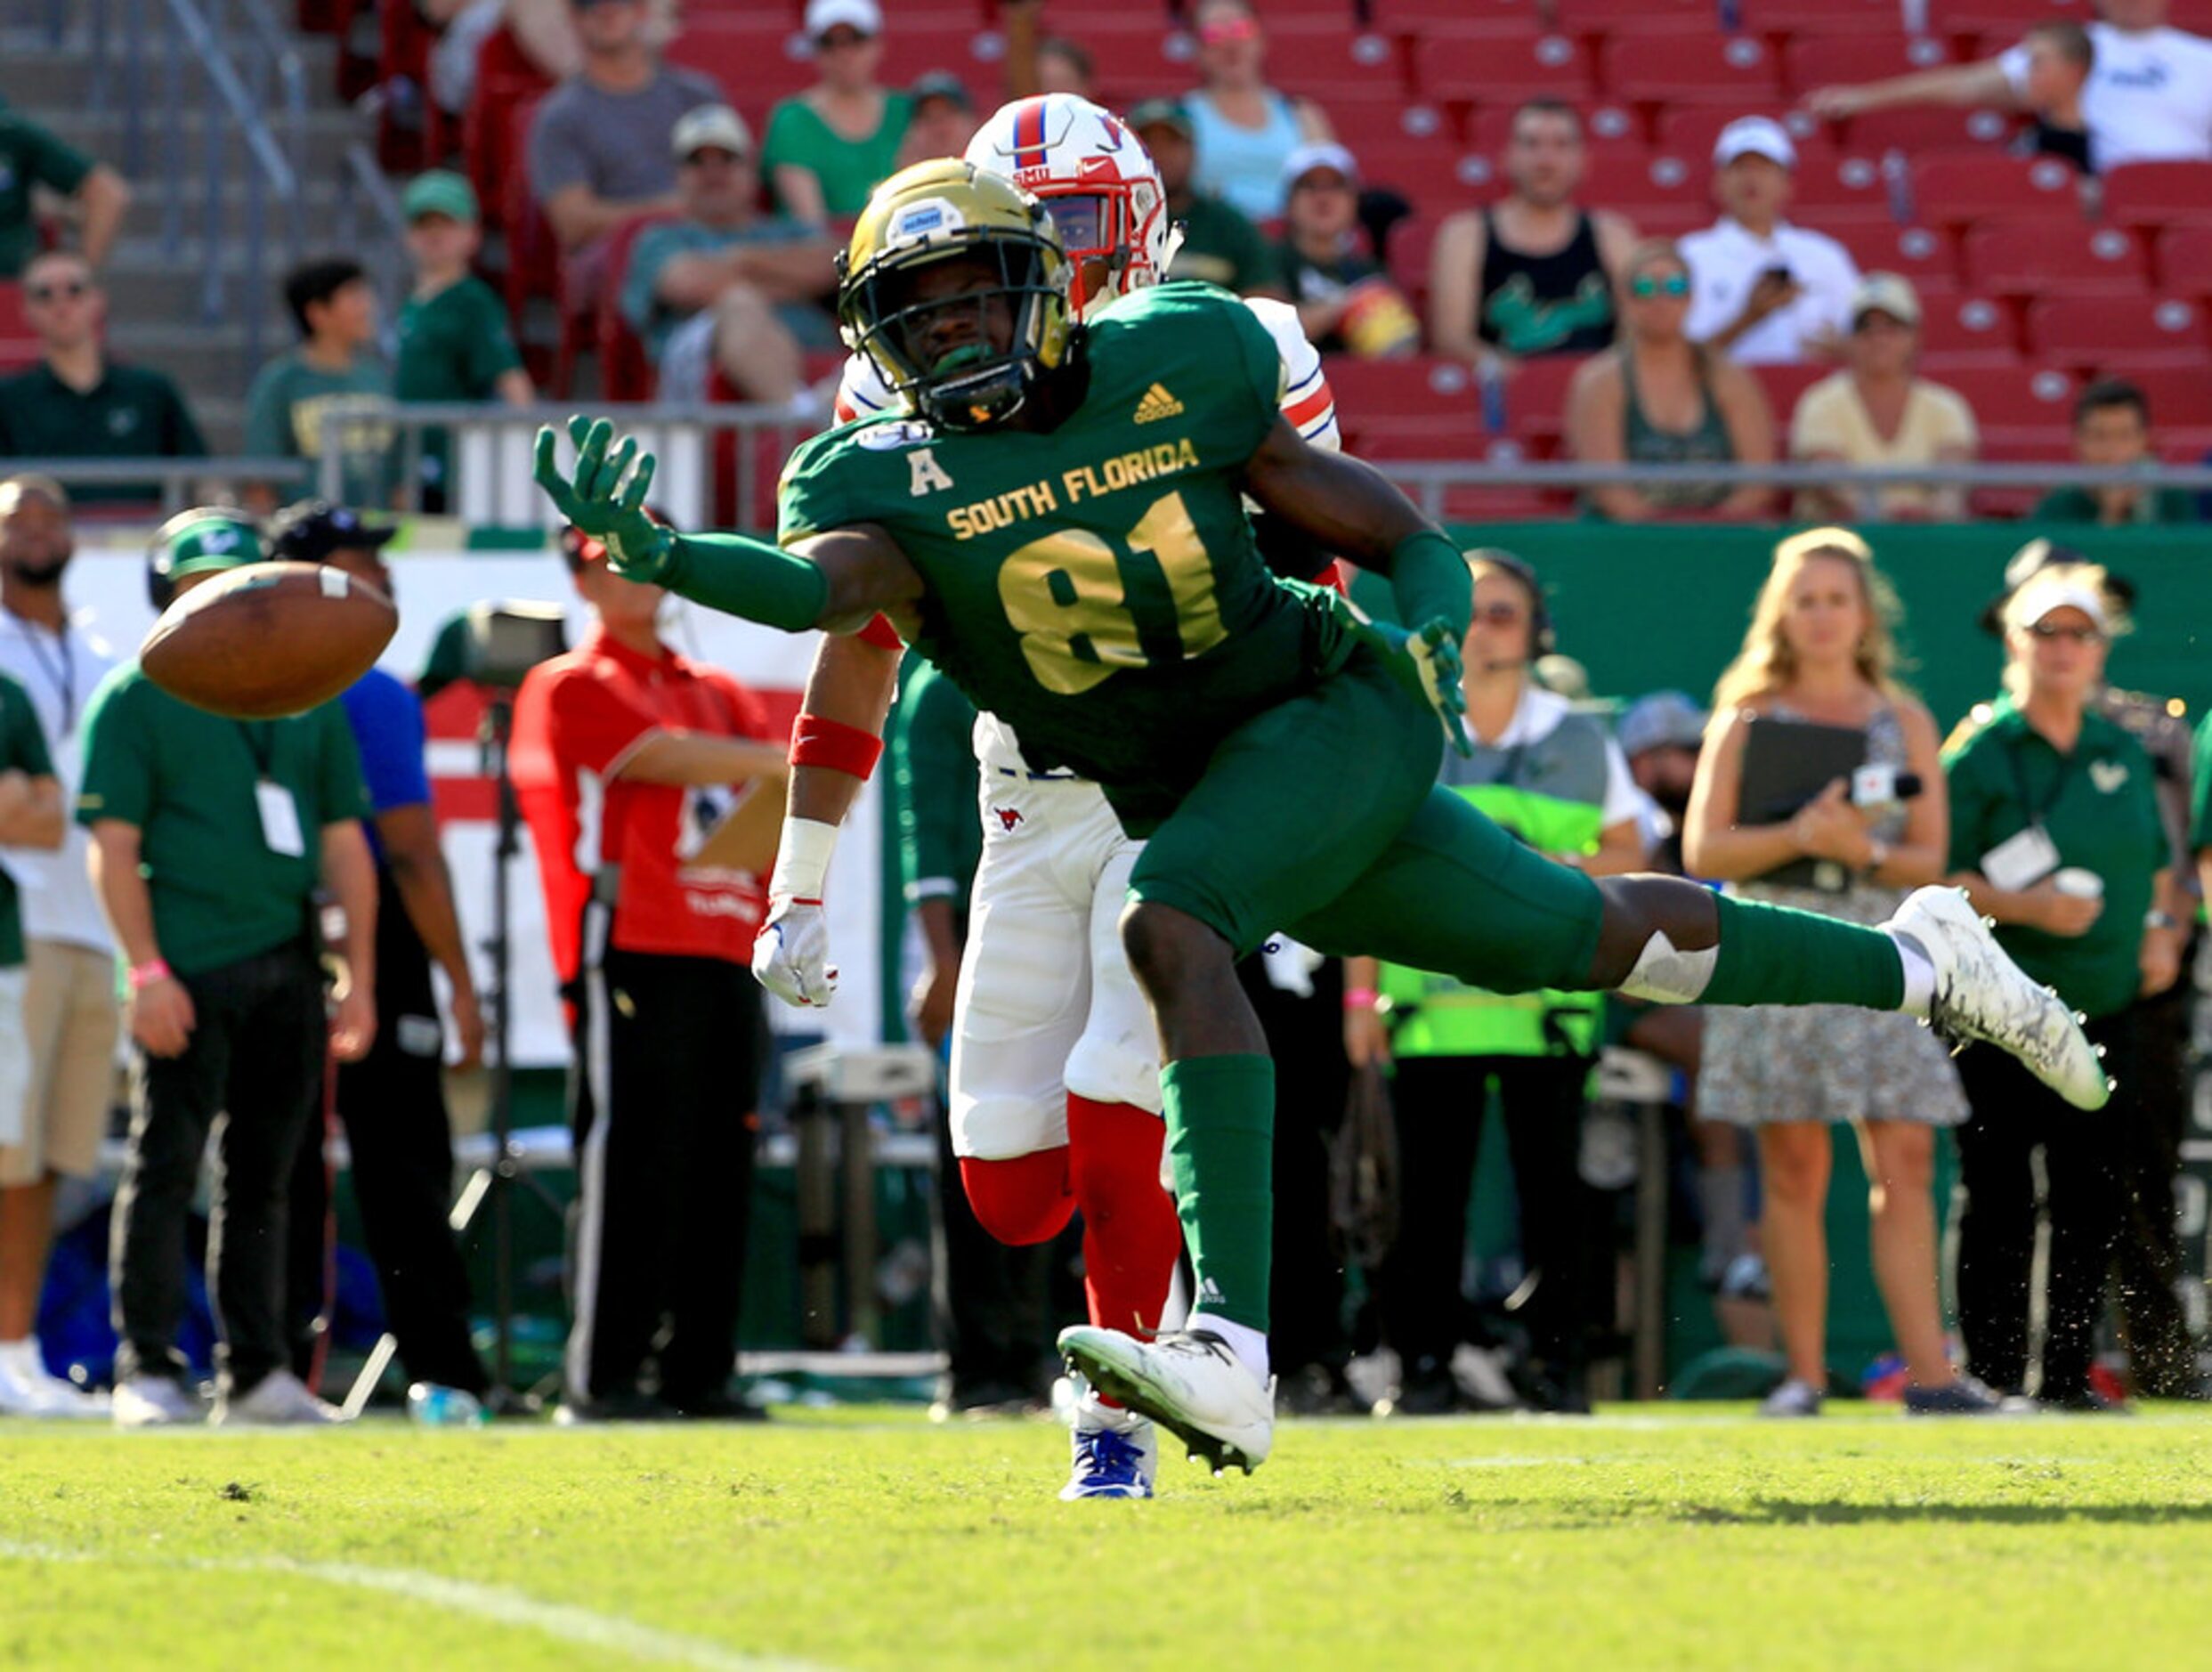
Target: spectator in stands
1220, 246
31, 157
826, 148
454, 341
2148, 98
69, 1010
943, 120
1244, 130
1345, 301
1820, 652
1535, 272
1658, 398
1034, 65
727, 285
2059, 59
598, 145
2056, 834
544, 31
210, 838
2112, 429
77, 404
1764, 291
1875, 413
335, 307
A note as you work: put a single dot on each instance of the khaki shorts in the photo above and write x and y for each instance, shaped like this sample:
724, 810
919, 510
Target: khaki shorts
70, 1019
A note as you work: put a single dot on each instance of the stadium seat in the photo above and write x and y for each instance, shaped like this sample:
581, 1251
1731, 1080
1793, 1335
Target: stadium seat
2185, 260
2006, 21
2155, 194
1328, 62
2180, 391
1831, 190
1426, 17
756, 60
1650, 17
1360, 123
1535, 394
403, 54
1786, 19
1411, 242
1631, 179
2017, 447
1463, 67
2012, 399
2090, 331
1490, 127
1954, 188
1824, 60
504, 78
1926, 254
1433, 175
1737, 69
1934, 128
1691, 130
19, 347
625, 372
2033, 258
1971, 324
1785, 386
1371, 392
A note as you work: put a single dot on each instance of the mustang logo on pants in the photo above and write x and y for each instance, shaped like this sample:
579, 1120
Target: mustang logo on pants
1008, 816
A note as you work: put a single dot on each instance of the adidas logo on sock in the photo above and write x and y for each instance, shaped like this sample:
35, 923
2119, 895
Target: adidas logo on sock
1210, 1290
1157, 404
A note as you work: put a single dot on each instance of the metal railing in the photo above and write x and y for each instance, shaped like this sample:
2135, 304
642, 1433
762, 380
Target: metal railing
717, 464
176, 483
200, 81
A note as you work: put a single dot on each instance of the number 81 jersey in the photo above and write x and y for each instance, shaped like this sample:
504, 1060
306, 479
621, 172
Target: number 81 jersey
1096, 586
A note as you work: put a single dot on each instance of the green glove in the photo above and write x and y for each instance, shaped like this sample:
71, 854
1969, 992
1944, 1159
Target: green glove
602, 503
1426, 663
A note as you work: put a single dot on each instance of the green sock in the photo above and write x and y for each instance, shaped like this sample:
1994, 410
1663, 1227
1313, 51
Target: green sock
1770, 955
1220, 1118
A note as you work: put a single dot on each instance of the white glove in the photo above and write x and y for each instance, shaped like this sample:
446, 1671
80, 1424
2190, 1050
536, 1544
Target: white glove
791, 953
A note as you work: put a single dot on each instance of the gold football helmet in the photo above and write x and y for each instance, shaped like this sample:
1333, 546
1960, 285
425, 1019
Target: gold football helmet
955, 285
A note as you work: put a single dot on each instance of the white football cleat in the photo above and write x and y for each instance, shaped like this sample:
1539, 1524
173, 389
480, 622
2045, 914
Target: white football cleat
28, 1389
153, 1401
1189, 1382
279, 1400
1981, 993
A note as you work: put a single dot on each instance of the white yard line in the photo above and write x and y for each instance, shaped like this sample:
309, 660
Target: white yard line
578, 1628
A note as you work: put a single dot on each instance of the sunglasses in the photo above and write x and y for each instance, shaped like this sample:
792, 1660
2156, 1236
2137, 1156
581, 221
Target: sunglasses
838, 38
1644, 286
68, 289
2079, 635
1230, 30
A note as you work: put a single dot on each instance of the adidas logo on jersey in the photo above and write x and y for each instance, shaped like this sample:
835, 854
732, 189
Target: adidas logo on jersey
1158, 404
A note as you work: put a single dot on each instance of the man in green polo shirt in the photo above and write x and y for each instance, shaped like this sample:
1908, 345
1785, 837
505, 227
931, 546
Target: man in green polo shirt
77, 404
210, 837
29, 156
1219, 245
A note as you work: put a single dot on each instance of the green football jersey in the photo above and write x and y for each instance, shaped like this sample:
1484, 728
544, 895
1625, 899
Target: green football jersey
1097, 585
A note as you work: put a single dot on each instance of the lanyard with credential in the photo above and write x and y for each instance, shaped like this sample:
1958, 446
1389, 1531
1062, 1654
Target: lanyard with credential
2036, 810
260, 741
64, 675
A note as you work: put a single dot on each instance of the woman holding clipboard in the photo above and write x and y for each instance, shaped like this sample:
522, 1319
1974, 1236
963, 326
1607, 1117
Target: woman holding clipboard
2057, 837
1818, 660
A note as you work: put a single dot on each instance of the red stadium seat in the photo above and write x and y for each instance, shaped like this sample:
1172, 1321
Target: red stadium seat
1740, 69
2154, 194
1825, 61
1788, 19
1954, 188
756, 60
2012, 399
1373, 392
1412, 241
1360, 123
2033, 257
625, 372
1629, 179
1435, 176
1934, 128
1490, 127
2179, 391
1462, 67
1832, 191
2185, 260
2007, 19
1692, 130
504, 78
1331, 61
1427, 17
1651, 17
1535, 394
2090, 331
1924, 255
1970, 325
1785, 386
19, 347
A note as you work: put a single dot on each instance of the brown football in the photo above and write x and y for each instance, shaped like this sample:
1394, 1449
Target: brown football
267, 640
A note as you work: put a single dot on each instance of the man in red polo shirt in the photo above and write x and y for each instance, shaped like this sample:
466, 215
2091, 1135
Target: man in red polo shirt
625, 757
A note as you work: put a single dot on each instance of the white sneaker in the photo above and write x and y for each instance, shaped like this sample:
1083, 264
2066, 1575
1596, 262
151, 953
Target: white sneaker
1189, 1382
153, 1401
1981, 993
279, 1398
1793, 1398
1116, 1453
26, 1390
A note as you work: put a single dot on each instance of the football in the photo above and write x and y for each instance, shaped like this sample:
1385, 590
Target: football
267, 640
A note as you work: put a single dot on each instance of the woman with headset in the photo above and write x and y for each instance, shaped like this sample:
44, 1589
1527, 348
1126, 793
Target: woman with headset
1556, 779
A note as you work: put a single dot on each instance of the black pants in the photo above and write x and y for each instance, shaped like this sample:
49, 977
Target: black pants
2147, 1265
400, 1137
1439, 1104
1306, 1038
670, 1049
2013, 1117
253, 1073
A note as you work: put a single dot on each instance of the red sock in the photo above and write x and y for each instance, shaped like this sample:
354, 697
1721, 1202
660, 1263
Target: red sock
1021, 1200
1131, 1236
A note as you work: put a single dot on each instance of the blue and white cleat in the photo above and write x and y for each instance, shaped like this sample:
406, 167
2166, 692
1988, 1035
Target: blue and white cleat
1189, 1382
1117, 1454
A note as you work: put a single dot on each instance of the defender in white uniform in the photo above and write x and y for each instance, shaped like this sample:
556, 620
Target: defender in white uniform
1055, 1091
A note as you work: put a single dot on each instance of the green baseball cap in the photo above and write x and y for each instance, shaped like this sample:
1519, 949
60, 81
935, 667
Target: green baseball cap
207, 538
1160, 113
441, 192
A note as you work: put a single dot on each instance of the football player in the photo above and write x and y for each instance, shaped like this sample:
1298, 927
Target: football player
1054, 1085
1060, 529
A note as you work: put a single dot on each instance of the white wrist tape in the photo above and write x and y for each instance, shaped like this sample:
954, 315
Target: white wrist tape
1665, 974
802, 860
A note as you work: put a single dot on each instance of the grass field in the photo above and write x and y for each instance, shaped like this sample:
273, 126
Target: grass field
1689, 1536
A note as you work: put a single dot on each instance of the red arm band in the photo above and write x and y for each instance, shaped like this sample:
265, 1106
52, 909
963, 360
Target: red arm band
881, 634
816, 742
